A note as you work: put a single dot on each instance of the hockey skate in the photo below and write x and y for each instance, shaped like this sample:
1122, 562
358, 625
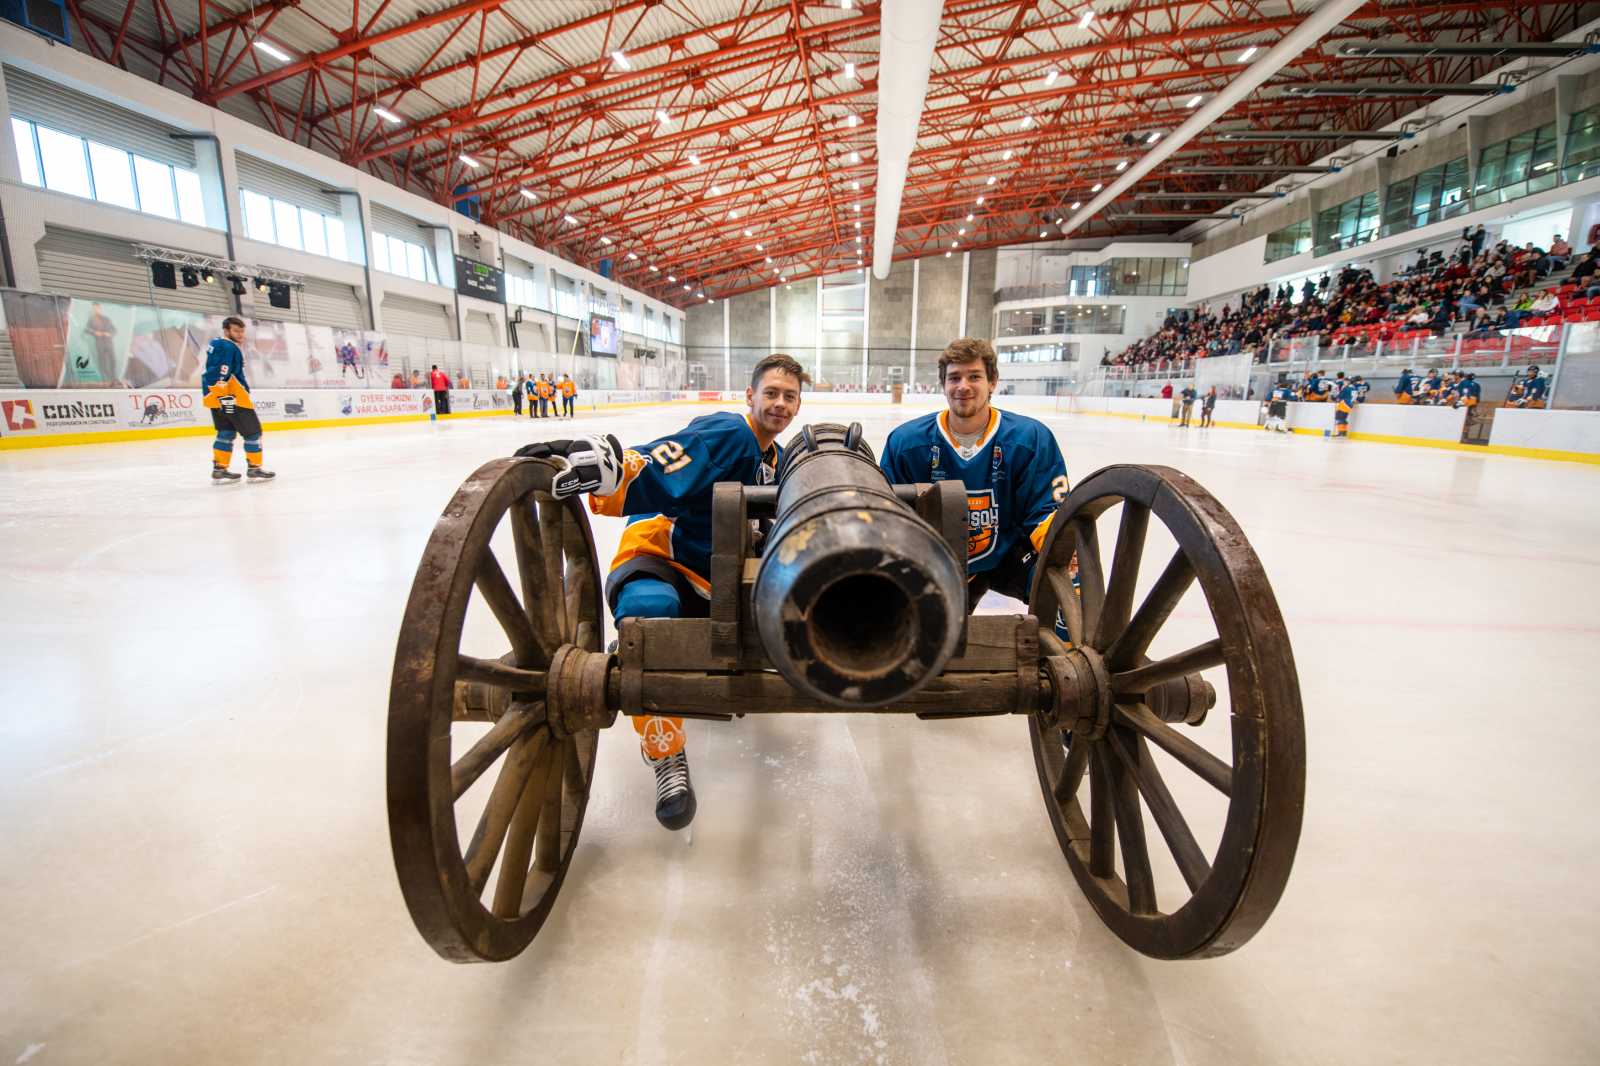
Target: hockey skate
675, 804
222, 474
259, 474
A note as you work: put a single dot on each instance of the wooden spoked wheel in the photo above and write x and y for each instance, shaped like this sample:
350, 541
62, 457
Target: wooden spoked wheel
1098, 765
519, 789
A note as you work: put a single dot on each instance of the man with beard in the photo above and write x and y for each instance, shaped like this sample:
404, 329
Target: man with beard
662, 568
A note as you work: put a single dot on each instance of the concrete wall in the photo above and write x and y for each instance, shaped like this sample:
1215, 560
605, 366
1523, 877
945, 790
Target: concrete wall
938, 312
889, 321
703, 334
980, 292
797, 320
749, 333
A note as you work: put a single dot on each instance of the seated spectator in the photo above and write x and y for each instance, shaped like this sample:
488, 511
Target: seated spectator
462, 381
399, 381
416, 379
1560, 252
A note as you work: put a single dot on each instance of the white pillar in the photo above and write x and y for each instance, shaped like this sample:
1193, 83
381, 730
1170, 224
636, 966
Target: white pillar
817, 330
727, 356
772, 320
916, 280
966, 272
866, 326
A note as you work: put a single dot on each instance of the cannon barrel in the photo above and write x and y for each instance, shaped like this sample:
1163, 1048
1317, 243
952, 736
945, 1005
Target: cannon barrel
858, 601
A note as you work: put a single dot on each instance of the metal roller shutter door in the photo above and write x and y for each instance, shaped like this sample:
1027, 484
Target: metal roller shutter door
69, 111
102, 268
417, 318
397, 224
481, 329
319, 303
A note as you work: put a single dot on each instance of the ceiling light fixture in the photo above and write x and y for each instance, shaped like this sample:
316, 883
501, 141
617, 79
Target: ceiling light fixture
1088, 17
980, 201
1153, 138
1075, 205
621, 60
1194, 101
528, 195
633, 257
605, 240
654, 269
662, 117
1007, 156
1050, 78
1097, 187
855, 157
969, 216
570, 220
850, 70
387, 116
991, 180
962, 232
716, 190
469, 161
760, 247
855, 186
671, 277
1244, 57
853, 121
694, 159
955, 244
263, 45
1122, 165
1027, 120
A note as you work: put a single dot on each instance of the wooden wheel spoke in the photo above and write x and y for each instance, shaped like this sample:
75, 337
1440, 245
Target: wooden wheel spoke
1153, 613
1125, 561
1072, 772
551, 520
1215, 772
500, 675
1067, 601
505, 732
547, 843
531, 567
1091, 576
1169, 819
1144, 678
490, 835
580, 574
1130, 834
496, 591
1102, 821
519, 844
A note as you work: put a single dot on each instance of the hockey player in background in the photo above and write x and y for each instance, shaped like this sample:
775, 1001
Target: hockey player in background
1010, 464
663, 565
233, 413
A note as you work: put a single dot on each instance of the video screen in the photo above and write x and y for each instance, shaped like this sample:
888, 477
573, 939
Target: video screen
603, 339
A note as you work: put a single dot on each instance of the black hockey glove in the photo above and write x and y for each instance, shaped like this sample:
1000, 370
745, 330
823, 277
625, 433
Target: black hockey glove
594, 464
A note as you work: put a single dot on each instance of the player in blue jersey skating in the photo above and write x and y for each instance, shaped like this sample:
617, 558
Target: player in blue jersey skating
233, 412
662, 567
1010, 464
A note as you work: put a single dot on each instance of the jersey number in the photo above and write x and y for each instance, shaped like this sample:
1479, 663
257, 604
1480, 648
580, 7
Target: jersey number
671, 456
1058, 488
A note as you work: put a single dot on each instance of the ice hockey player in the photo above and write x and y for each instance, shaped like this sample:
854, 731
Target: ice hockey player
1404, 387
233, 413
662, 567
1344, 401
1278, 405
1010, 464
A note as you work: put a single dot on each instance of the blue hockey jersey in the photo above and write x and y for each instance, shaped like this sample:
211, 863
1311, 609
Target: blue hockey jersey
666, 495
224, 374
1014, 480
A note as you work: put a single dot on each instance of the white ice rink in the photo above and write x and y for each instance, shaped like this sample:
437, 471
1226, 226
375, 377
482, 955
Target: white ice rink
195, 867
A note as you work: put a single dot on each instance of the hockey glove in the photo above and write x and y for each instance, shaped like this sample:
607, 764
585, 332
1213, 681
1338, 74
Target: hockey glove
594, 464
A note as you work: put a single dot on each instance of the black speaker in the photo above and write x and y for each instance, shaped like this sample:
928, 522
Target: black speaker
278, 295
163, 275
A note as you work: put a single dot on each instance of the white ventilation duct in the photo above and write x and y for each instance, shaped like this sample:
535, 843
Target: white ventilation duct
907, 33
1296, 41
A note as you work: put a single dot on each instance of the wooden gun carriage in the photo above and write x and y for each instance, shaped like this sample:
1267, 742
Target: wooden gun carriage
857, 601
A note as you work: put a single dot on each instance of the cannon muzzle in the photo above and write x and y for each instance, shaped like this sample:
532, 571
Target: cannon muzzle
858, 600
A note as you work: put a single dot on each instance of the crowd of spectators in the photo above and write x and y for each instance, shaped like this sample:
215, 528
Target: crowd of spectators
1478, 290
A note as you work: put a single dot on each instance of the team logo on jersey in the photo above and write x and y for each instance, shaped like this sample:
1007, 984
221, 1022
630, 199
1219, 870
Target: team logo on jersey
997, 467
19, 414
933, 460
983, 523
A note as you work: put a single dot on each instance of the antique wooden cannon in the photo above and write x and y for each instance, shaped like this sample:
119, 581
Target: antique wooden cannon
857, 601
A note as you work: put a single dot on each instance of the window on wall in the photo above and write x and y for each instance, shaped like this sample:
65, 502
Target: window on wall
1583, 146
521, 290
1353, 222
273, 221
566, 296
1426, 198
1291, 240
1516, 167
62, 162
1076, 318
409, 259
1131, 276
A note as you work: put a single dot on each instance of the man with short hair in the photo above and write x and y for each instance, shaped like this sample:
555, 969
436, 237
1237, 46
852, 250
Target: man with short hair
662, 568
233, 413
1186, 411
1010, 465
439, 382
569, 396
